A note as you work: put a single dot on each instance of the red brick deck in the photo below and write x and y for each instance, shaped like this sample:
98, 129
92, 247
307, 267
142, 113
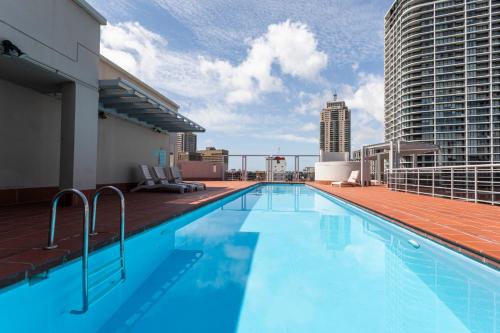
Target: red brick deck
24, 228
473, 229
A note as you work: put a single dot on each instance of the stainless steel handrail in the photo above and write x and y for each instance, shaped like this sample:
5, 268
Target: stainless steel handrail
86, 233
51, 245
122, 221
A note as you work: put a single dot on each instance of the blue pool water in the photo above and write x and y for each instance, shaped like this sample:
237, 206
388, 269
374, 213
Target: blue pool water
278, 258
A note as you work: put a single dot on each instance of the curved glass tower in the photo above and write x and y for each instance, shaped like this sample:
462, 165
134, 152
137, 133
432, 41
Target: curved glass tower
442, 78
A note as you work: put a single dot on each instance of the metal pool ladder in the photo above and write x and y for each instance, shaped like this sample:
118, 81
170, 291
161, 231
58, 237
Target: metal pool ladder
86, 233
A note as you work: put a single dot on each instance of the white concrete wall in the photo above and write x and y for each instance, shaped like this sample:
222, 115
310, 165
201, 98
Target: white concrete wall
326, 156
334, 171
123, 145
57, 33
60, 36
30, 127
78, 136
29, 138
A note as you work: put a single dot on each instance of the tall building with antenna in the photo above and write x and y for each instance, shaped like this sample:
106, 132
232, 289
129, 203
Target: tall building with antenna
335, 127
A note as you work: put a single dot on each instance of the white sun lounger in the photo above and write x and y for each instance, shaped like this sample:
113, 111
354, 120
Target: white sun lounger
352, 181
149, 184
163, 179
177, 179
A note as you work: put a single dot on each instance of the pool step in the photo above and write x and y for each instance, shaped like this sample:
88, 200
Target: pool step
105, 266
100, 280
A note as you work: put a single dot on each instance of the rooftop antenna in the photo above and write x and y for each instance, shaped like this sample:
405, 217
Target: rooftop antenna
335, 96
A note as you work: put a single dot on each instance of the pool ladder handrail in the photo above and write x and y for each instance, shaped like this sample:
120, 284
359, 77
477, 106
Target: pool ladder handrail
87, 233
122, 221
51, 245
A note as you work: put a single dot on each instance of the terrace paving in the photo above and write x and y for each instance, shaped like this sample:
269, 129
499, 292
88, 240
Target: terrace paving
470, 228
473, 229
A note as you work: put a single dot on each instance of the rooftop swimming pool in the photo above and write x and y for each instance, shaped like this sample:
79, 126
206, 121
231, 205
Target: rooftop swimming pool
273, 258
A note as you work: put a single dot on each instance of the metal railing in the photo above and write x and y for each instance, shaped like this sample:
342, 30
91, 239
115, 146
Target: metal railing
51, 244
475, 183
101, 278
267, 174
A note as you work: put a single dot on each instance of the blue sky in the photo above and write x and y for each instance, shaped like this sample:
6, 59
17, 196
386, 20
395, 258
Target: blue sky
255, 73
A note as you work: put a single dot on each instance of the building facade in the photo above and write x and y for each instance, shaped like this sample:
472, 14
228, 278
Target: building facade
442, 78
210, 154
186, 142
68, 117
335, 127
189, 156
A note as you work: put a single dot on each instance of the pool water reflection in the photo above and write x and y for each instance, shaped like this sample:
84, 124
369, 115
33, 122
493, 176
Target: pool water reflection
287, 258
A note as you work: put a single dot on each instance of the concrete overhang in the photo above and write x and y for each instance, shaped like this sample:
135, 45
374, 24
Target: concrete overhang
28, 73
404, 148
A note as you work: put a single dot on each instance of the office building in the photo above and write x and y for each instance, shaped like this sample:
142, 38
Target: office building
186, 142
189, 156
335, 127
442, 78
210, 154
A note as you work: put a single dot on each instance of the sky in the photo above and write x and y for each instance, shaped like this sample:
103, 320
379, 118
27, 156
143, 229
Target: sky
255, 73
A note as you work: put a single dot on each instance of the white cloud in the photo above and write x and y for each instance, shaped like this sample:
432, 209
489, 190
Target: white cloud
367, 102
224, 119
355, 35
212, 88
146, 55
355, 66
290, 45
308, 127
368, 97
292, 137
312, 103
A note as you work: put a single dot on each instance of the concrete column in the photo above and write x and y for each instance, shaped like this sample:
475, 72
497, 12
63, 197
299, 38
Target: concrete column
78, 160
379, 167
363, 166
397, 157
391, 156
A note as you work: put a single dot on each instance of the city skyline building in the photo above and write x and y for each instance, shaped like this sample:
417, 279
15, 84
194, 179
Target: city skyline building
335, 127
186, 142
442, 79
189, 156
211, 154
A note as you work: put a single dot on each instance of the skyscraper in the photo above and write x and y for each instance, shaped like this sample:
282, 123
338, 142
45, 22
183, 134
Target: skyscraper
442, 78
186, 142
335, 127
